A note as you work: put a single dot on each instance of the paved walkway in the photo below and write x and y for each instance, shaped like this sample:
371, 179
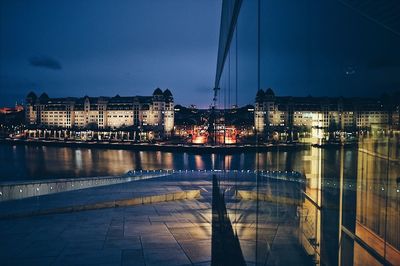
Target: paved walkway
167, 233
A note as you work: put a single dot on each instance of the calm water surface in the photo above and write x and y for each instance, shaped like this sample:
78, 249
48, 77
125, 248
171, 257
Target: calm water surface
21, 162
27, 162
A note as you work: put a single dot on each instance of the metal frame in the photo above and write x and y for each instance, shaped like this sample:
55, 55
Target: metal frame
229, 15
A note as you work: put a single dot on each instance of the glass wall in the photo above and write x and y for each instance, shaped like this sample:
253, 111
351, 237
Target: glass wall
349, 204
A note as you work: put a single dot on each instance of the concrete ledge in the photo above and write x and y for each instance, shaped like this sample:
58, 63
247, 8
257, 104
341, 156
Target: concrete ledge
179, 195
252, 195
21, 190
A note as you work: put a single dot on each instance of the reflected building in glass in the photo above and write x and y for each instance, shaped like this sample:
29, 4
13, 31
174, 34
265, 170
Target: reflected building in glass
312, 114
349, 203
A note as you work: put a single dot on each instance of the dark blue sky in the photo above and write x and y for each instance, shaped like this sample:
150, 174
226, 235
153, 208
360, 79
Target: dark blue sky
102, 47
328, 48
318, 48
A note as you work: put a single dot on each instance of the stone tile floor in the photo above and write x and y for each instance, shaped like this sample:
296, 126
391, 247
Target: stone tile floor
167, 233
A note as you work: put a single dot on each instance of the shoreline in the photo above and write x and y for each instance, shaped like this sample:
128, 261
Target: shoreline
198, 149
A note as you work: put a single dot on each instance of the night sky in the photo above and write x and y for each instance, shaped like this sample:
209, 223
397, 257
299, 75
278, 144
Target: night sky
102, 47
328, 48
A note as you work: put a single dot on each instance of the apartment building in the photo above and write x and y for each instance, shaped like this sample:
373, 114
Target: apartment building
156, 111
339, 113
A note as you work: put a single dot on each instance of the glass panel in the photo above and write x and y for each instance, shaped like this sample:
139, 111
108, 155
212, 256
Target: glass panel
362, 257
247, 54
305, 50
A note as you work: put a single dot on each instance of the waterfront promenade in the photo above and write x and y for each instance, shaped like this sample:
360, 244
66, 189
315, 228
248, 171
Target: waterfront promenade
166, 147
162, 231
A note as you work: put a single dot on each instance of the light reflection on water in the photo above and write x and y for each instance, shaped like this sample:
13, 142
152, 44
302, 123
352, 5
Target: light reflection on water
26, 162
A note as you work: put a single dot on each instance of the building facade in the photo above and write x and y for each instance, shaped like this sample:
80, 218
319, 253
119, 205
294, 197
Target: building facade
156, 111
328, 113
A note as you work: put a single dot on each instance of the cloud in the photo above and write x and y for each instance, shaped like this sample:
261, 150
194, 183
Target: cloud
45, 62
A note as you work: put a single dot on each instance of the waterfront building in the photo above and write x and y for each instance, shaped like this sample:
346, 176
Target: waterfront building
156, 111
319, 114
